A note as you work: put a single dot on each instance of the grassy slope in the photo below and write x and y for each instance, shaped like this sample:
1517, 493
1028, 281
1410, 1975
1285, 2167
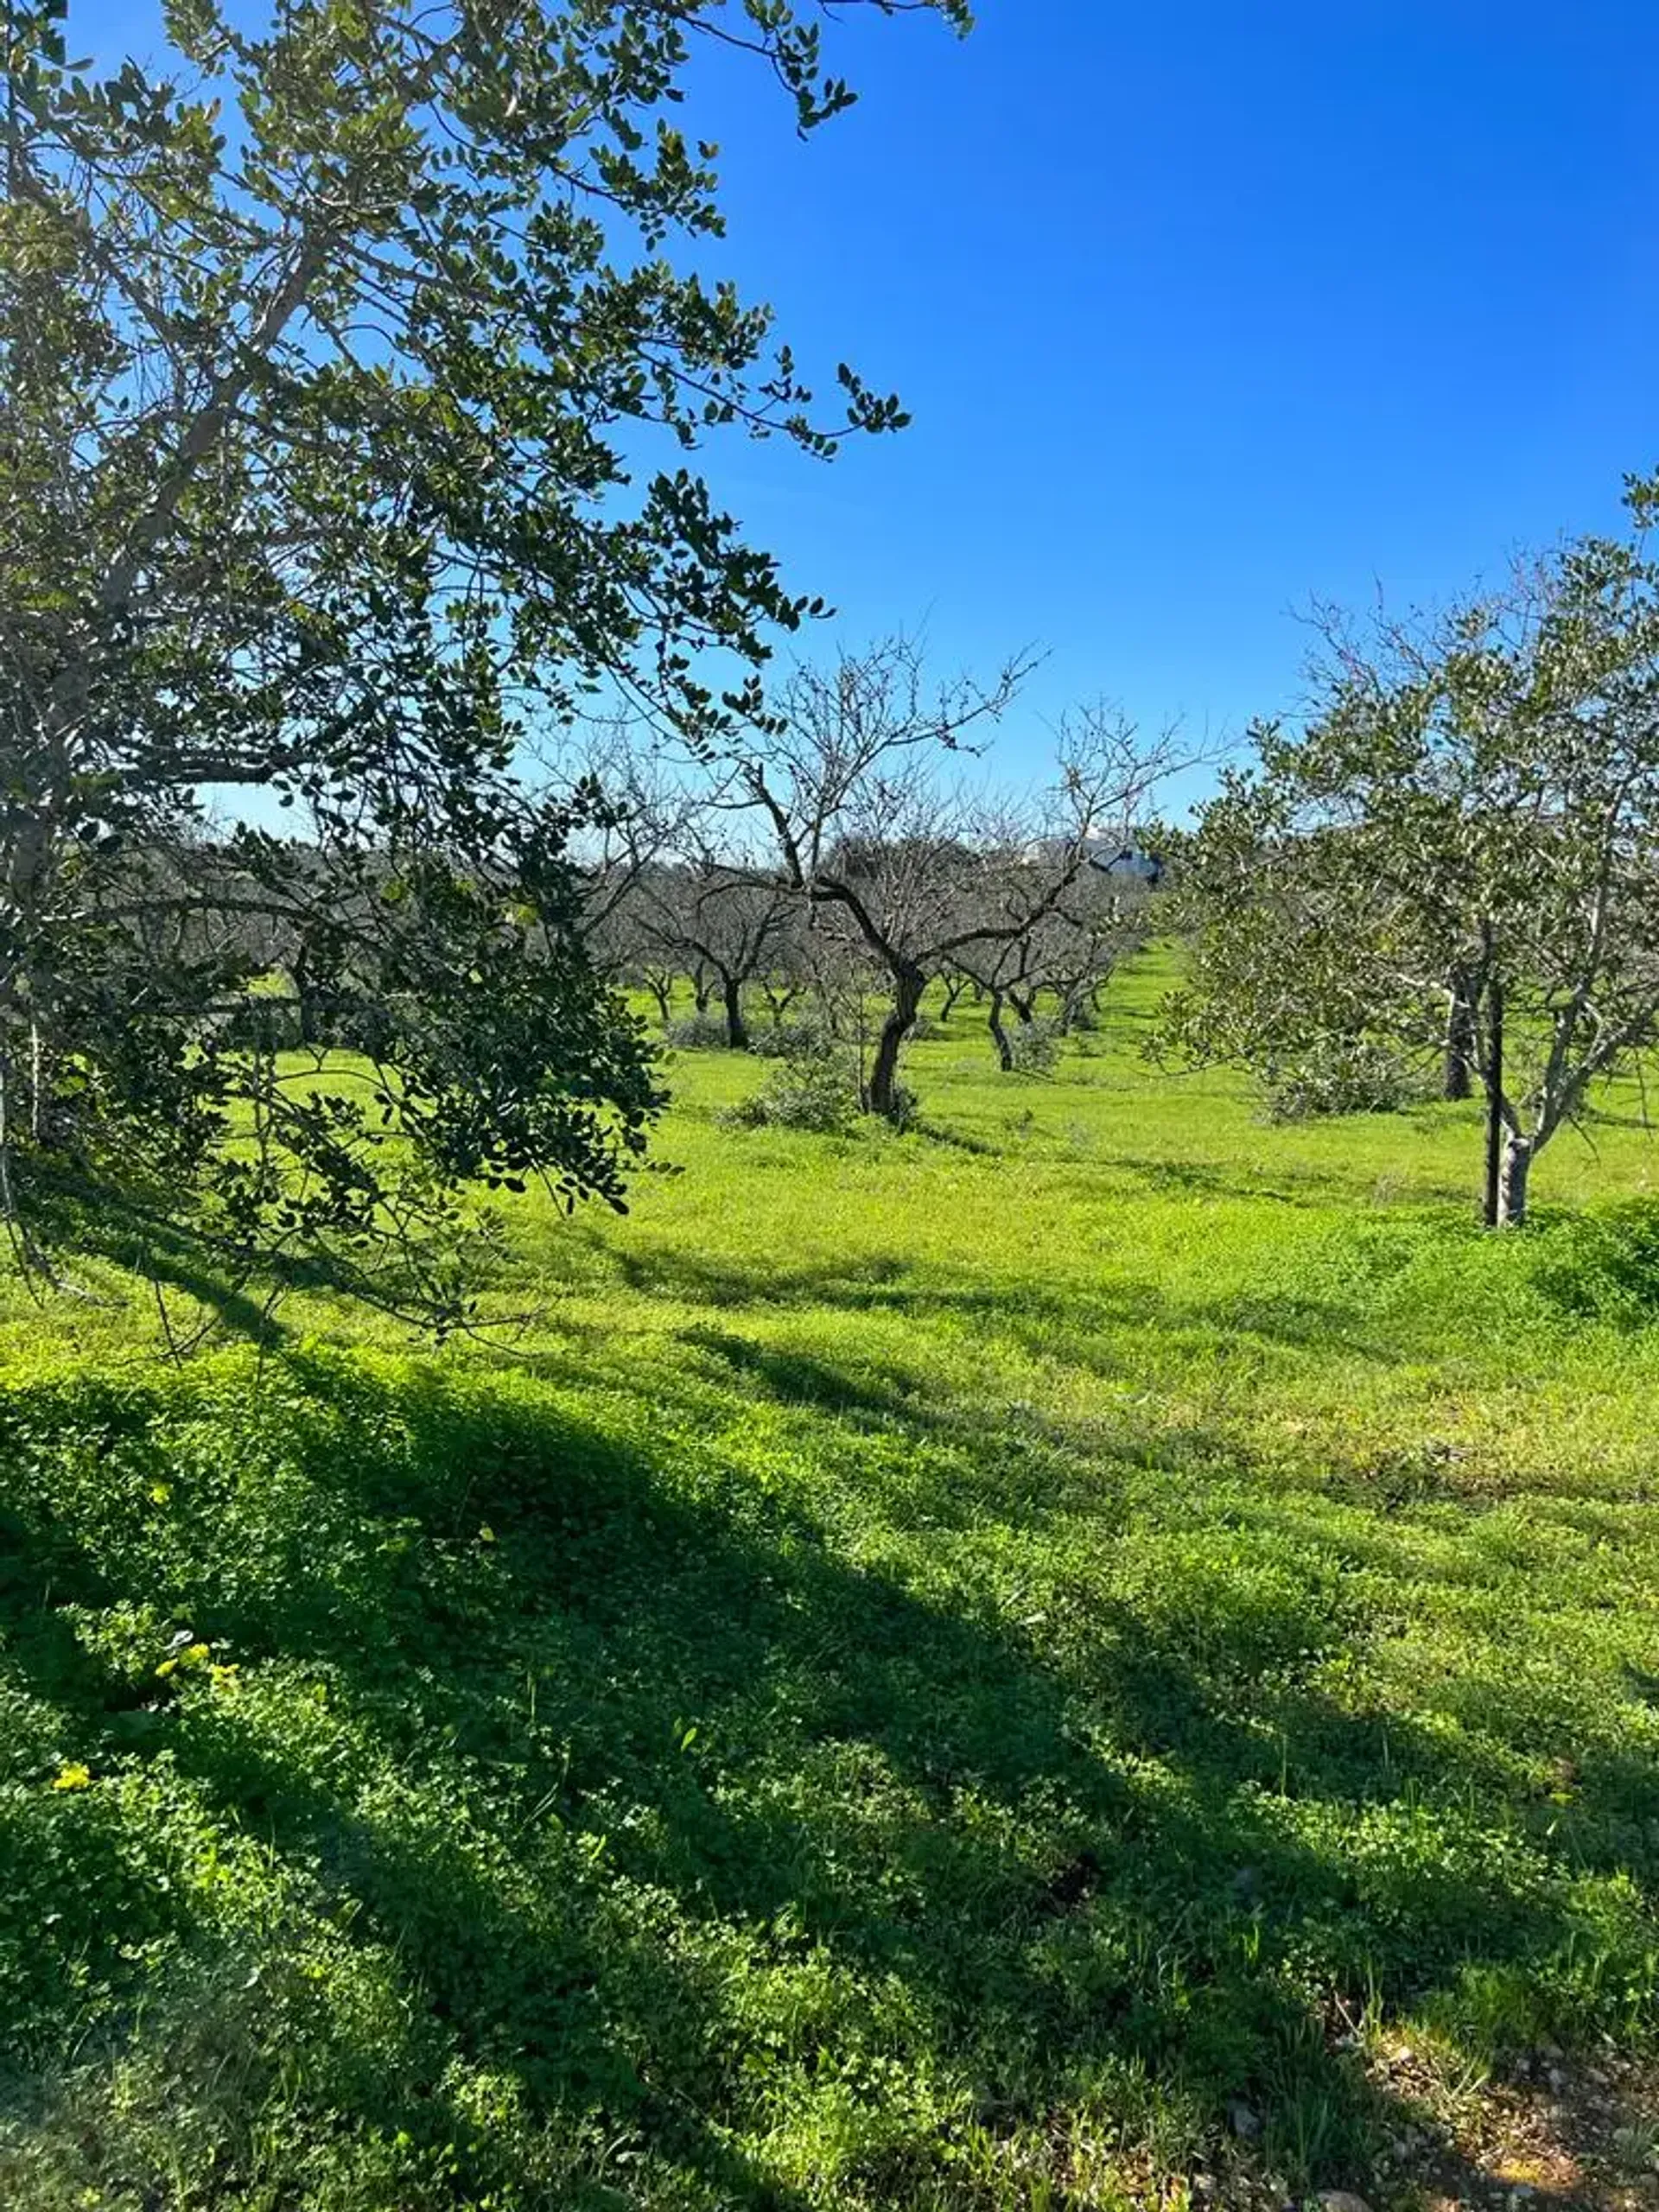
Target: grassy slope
945, 1661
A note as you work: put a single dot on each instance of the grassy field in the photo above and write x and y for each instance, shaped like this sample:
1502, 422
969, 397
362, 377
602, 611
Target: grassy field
1095, 1653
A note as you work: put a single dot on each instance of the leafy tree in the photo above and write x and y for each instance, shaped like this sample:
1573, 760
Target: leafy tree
1457, 854
334, 367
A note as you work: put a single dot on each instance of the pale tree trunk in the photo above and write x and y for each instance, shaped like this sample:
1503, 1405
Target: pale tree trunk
883, 1093
1513, 1170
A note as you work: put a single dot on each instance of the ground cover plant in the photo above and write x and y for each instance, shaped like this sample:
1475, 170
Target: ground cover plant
1097, 1651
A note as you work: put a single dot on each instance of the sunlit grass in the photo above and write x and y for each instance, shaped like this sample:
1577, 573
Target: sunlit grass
933, 1667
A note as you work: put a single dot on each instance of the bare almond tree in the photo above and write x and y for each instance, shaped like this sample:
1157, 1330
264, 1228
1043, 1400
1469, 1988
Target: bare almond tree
910, 865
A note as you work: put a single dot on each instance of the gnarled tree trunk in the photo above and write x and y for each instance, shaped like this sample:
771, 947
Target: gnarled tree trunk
1000, 1036
881, 1095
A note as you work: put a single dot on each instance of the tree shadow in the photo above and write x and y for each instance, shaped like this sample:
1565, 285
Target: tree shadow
1085, 1324
658, 1810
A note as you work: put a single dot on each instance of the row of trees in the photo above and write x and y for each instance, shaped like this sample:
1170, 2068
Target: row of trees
830, 844
347, 384
706, 925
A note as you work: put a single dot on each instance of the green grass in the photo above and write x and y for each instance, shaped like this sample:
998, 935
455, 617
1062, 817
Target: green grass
937, 1666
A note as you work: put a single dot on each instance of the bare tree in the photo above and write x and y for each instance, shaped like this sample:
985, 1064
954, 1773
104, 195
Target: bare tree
714, 918
908, 865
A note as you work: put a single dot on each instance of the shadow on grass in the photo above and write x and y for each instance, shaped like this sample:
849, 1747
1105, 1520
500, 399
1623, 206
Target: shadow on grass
633, 1810
1085, 1326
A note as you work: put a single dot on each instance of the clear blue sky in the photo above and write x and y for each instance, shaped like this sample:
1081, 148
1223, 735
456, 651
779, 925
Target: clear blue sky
1206, 307
1202, 309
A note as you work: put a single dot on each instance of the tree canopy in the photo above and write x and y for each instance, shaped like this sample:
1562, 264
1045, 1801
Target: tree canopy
350, 373
1460, 846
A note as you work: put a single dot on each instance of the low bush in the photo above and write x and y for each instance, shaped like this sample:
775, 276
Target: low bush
1034, 1047
1343, 1076
906, 1110
696, 1033
789, 1040
814, 1090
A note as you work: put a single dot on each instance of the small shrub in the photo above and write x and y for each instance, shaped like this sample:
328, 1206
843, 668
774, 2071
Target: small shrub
906, 1112
1347, 1076
808, 1090
696, 1033
1035, 1046
790, 1040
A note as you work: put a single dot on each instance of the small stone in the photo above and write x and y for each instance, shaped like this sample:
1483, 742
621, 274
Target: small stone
1342, 2200
1243, 2122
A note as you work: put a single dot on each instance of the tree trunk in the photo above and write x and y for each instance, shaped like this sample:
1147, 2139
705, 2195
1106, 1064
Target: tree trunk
1514, 1168
1493, 1073
1458, 1081
1004, 1048
662, 993
883, 1093
737, 1033
954, 986
306, 1011
702, 990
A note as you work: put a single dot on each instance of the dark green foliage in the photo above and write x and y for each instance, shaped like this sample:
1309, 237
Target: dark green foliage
349, 361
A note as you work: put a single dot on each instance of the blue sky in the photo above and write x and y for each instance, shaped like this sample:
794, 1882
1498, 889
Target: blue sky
1201, 310
1204, 308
